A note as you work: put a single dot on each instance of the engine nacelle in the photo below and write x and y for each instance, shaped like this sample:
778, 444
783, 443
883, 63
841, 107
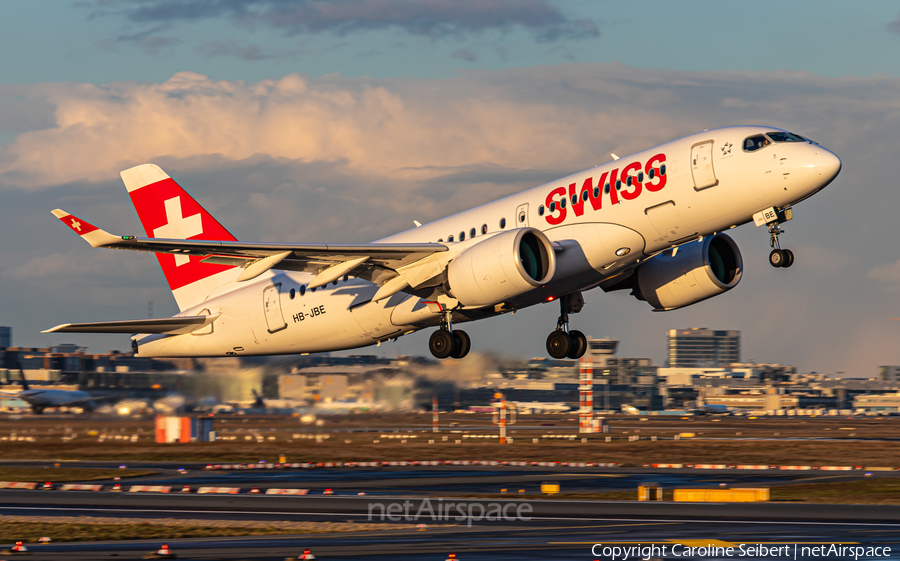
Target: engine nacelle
501, 267
697, 271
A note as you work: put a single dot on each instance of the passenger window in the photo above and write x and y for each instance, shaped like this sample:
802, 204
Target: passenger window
540, 213
462, 236
450, 239
292, 293
618, 184
503, 223
302, 289
440, 240
584, 195
662, 169
472, 233
754, 143
553, 206
596, 191
346, 278
484, 228
562, 203
574, 199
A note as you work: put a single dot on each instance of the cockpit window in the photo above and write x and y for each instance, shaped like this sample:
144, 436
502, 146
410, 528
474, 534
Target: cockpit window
754, 143
785, 137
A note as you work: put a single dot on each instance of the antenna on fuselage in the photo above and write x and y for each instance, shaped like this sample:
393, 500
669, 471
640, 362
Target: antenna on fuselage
614, 157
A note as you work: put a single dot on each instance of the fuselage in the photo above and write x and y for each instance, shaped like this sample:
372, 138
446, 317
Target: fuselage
56, 398
604, 221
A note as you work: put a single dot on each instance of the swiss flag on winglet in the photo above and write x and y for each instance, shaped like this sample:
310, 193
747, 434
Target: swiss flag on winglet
167, 211
79, 226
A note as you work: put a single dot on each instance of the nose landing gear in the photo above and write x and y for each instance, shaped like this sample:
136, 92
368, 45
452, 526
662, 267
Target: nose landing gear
447, 342
563, 343
778, 257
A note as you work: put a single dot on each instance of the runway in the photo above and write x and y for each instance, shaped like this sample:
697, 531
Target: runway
460, 480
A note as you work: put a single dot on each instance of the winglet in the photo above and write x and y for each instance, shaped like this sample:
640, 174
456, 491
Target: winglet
88, 232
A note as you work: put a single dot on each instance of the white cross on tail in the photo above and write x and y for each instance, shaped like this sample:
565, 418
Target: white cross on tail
178, 226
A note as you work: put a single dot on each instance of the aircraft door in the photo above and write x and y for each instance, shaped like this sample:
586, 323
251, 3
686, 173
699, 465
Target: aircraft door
702, 165
522, 216
272, 307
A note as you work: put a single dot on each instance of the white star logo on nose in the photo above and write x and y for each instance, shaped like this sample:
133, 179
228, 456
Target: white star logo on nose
726, 149
76, 224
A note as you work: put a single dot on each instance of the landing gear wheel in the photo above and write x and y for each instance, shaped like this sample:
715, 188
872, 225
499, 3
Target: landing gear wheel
788, 258
558, 344
578, 344
463, 344
442, 343
777, 258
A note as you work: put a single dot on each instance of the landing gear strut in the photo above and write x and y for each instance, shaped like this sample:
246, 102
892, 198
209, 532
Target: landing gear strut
563, 343
447, 342
778, 257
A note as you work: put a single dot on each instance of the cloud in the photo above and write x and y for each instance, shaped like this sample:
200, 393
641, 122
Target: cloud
231, 48
888, 274
465, 54
430, 18
894, 26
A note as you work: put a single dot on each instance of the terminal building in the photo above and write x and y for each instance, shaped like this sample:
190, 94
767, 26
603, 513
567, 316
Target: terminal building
701, 347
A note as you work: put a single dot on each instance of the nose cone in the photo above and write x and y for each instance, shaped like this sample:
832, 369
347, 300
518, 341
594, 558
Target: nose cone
827, 164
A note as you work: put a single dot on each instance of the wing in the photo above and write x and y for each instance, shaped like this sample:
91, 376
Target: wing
174, 325
386, 264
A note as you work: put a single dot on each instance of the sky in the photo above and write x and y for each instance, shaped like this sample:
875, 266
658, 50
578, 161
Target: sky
344, 121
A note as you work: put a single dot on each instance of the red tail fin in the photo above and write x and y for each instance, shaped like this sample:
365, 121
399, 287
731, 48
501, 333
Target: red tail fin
167, 211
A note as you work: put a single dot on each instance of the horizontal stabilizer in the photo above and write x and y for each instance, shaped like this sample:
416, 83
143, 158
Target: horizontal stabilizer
175, 325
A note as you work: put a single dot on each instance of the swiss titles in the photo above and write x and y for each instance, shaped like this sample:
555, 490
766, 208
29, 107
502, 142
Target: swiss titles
625, 184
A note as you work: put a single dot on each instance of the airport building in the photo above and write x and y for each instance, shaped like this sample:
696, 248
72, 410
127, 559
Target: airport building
886, 402
889, 373
5, 336
698, 346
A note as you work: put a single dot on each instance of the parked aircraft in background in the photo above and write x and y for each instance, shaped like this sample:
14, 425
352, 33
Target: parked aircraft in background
42, 398
526, 407
713, 409
651, 223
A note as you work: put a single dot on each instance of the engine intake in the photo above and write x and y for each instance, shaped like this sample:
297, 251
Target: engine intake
501, 267
696, 271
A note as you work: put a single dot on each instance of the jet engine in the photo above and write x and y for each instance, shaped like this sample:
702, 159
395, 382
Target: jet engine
501, 267
689, 273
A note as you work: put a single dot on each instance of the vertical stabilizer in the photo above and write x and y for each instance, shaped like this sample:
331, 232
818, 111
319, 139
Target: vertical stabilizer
167, 211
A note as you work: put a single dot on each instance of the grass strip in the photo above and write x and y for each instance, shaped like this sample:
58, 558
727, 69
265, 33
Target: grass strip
62, 475
78, 529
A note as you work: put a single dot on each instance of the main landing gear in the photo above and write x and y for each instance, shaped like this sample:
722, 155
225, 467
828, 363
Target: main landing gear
563, 343
447, 342
778, 257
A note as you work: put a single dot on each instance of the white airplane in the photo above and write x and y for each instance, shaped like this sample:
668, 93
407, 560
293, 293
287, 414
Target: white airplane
651, 222
526, 407
40, 398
